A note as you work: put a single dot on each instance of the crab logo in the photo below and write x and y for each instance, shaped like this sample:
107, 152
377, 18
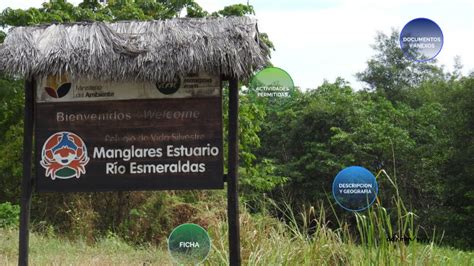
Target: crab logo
64, 156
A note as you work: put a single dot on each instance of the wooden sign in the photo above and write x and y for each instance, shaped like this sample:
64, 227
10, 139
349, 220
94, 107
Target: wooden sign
106, 136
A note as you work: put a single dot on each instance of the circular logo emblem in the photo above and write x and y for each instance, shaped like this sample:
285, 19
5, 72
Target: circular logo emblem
168, 88
355, 188
272, 82
64, 156
421, 39
189, 244
57, 86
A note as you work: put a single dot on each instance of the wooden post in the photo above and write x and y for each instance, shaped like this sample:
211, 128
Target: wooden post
233, 175
27, 181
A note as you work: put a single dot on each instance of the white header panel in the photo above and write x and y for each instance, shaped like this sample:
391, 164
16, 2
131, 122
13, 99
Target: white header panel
62, 89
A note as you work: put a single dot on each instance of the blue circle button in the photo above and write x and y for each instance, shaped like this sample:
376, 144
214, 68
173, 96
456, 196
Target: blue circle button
421, 40
355, 188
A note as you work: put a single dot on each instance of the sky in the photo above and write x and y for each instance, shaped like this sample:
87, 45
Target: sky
319, 40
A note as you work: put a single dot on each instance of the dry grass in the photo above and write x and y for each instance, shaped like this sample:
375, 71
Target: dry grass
51, 250
264, 241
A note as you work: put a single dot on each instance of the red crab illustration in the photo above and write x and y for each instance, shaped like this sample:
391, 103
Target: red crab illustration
64, 150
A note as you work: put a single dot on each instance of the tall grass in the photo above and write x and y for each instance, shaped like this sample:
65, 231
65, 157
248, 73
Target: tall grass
380, 237
377, 227
267, 241
55, 250
296, 238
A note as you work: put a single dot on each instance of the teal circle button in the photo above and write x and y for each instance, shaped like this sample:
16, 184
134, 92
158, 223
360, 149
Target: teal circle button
189, 244
355, 188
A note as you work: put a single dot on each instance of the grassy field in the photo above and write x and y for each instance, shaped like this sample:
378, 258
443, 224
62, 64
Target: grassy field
51, 250
265, 241
304, 239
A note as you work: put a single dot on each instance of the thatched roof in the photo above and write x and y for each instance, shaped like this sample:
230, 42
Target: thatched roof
151, 50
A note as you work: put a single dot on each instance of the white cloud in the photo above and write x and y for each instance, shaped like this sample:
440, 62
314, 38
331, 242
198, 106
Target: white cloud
313, 45
317, 40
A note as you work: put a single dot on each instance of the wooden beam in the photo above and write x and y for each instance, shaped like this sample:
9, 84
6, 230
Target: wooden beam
233, 175
27, 181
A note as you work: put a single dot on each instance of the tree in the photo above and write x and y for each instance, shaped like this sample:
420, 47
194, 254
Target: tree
92, 5
2, 36
257, 175
11, 132
458, 201
235, 10
391, 74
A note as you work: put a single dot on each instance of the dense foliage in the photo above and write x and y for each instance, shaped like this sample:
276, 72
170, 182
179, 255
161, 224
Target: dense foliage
414, 120
9, 215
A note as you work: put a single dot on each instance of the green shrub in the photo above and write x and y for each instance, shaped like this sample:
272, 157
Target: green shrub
150, 221
9, 215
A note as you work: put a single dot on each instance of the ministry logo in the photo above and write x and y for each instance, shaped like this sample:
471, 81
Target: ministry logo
64, 156
169, 88
58, 86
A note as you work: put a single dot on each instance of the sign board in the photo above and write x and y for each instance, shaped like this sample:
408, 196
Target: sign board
106, 136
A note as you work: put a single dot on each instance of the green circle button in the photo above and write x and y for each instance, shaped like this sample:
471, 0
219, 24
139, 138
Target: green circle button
189, 244
272, 82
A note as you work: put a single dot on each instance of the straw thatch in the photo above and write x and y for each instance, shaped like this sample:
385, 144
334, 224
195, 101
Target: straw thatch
151, 50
